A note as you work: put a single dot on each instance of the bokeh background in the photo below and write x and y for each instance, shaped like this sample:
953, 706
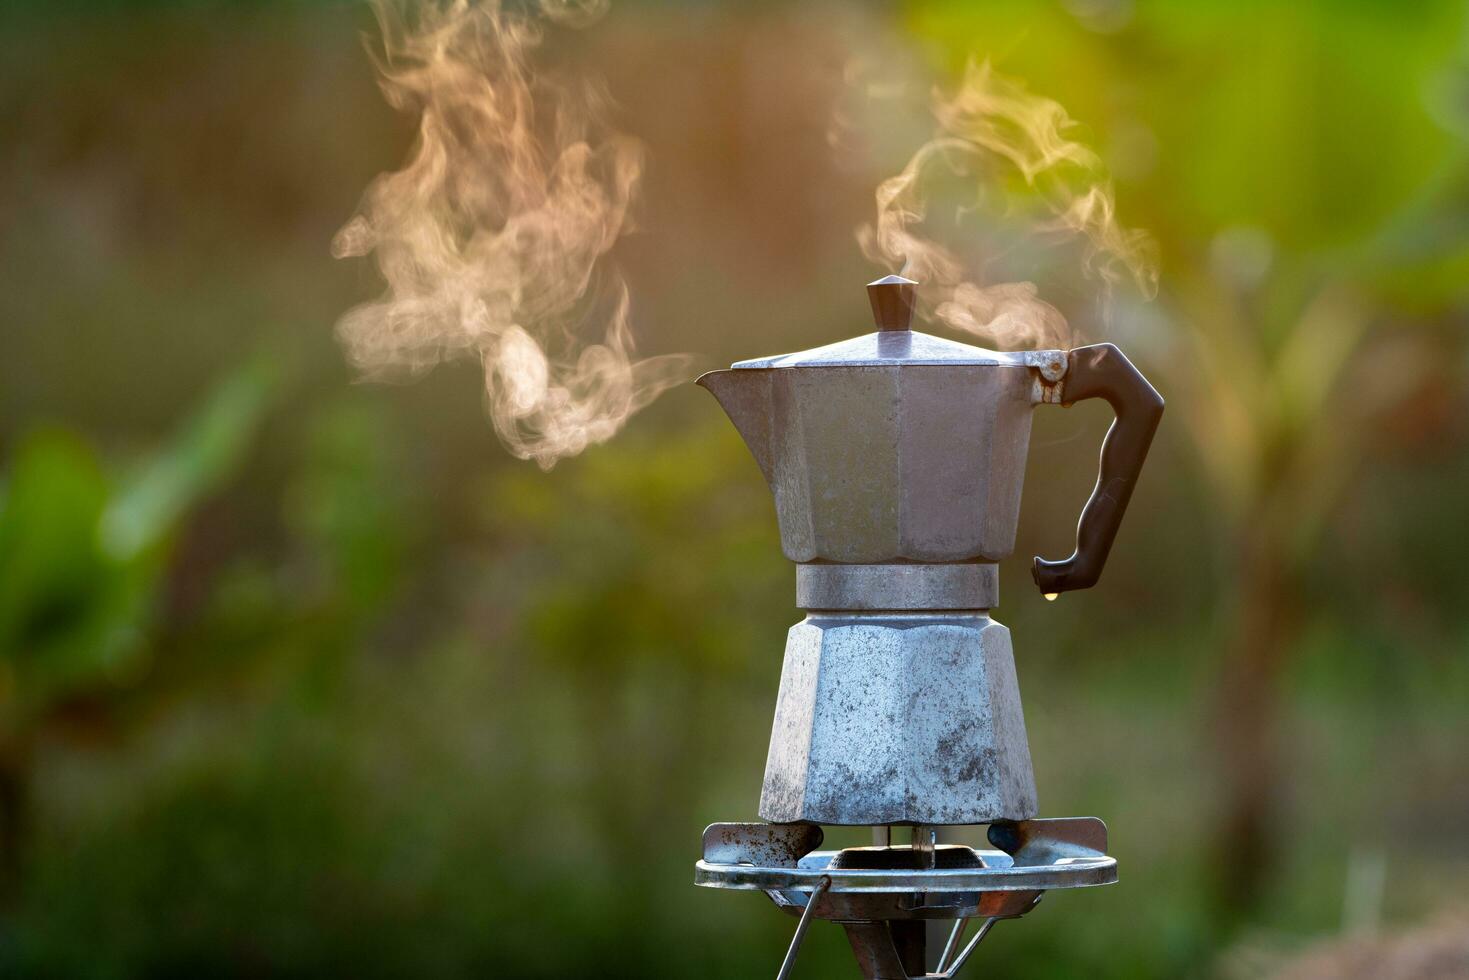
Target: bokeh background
300, 676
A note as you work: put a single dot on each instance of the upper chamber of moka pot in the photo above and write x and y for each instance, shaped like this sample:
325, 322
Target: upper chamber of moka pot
893, 448
906, 451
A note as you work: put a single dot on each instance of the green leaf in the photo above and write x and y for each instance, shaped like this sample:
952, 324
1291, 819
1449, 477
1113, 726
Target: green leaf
206, 450
49, 566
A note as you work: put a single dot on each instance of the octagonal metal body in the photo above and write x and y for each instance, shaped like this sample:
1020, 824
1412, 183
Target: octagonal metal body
898, 718
892, 447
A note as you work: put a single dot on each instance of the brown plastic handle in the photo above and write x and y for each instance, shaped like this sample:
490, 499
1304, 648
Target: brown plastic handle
1103, 371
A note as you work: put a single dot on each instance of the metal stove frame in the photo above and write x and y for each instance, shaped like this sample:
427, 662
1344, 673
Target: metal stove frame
884, 910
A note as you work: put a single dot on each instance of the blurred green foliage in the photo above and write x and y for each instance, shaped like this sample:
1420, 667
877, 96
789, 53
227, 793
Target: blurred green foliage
1295, 346
83, 553
317, 680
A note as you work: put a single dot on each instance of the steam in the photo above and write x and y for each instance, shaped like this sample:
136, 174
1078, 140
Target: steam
491, 236
994, 117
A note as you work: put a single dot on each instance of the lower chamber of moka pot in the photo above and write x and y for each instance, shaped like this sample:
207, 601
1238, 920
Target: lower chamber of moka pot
885, 896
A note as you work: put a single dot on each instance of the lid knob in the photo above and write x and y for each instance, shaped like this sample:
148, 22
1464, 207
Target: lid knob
893, 298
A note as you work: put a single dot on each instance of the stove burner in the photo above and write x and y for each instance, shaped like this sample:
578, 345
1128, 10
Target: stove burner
883, 895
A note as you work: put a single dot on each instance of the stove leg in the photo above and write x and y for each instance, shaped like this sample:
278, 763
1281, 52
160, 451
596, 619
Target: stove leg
789, 963
888, 950
952, 946
958, 964
894, 950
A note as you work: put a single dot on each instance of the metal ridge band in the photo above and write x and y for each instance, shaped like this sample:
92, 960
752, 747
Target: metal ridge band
897, 587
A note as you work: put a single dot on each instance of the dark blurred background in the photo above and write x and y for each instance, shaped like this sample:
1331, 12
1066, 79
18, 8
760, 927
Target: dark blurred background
300, 676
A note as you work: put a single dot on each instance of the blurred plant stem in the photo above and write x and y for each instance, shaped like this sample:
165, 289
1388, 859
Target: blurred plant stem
1283, 402
1247, 718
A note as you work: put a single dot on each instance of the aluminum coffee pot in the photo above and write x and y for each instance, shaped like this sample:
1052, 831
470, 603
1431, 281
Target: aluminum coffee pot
896, 460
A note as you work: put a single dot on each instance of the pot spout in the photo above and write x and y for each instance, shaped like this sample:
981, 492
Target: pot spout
745, 396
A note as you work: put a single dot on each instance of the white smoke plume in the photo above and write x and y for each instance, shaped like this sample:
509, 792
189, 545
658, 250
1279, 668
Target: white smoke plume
994, 119
492, 235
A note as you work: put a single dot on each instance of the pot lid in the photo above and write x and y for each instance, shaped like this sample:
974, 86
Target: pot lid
893, 343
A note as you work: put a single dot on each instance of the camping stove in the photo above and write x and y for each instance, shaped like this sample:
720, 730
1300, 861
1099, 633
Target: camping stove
896, 461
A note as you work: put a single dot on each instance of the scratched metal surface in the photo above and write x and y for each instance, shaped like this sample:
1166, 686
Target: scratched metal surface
910, 718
